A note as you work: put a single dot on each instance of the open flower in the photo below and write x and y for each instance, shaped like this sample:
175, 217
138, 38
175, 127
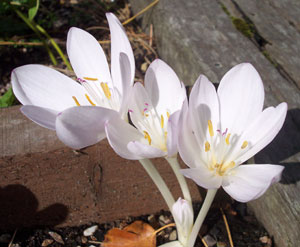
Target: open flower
183, 214
154, 111
51, 99
223, 129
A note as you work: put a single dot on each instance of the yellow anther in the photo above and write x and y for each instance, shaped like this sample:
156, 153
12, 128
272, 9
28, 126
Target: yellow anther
90, 79
168, 114
162, 121
106, 90
166, 134
244, 145
76, 101
89, 99
210, 128
207, 146
147, 136
227, 138
231, 165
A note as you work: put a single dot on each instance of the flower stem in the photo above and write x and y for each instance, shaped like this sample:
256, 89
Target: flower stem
181, 180
201, 216
159, 182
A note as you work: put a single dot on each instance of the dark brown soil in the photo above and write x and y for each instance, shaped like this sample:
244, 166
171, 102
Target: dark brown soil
245, 231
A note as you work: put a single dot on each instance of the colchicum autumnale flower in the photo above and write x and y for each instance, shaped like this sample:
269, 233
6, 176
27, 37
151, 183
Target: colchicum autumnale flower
223, 129
55, 101
154, 111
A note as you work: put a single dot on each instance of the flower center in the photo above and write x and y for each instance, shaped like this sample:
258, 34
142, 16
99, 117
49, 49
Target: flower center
219, 150
151, 125
99, 95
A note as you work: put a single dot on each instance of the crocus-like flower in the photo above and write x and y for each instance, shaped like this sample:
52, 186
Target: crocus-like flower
183, 214
154, 111
78, 110
223, 129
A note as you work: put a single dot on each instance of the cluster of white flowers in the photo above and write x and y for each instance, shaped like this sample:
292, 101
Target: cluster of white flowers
214, 133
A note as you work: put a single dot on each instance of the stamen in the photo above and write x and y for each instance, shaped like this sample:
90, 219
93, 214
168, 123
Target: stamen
106, 90
227, 138
207, 146
231, 164
90, 79
162, 121
244, 145
76, 101
146, 104
147, 136
210, 128
88, 98
129, 110
168, 114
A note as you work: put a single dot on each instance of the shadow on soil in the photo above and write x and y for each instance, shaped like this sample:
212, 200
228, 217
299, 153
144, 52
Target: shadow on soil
19, 208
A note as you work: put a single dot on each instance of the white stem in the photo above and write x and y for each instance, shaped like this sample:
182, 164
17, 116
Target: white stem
181, 180
201, 216
159, 182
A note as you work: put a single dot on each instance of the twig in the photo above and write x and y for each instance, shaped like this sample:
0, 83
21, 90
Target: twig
203, 241
94, 242
141, 12
151, 35
227, 228
166, 226
12, 239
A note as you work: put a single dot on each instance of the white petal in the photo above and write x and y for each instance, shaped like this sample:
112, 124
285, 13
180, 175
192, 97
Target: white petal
42, 116
45, 87
248, 182
241, 96
203, 177
164, 88
187, 145
86, 56
203, 106
119, 43
262, 131
172, 133
127, 85
79, 127
144, 150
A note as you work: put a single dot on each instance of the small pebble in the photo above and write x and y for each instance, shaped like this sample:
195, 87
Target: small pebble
56, 237
173, 235
163, 220
84, 240
266, 240
47, 242
90, 231
144, 67
209, 240
221, 244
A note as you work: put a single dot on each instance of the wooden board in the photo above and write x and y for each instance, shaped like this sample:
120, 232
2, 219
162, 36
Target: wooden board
198, 37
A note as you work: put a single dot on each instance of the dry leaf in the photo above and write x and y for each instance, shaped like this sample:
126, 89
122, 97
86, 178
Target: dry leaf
137, 234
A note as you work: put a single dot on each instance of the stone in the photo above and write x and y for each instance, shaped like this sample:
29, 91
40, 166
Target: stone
90, 231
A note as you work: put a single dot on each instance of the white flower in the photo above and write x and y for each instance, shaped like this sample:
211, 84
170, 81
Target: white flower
154, 111
52, 100
183, 214
223, 129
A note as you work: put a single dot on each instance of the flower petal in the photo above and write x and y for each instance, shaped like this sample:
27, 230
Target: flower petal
203, 106
241, 95
87, 56
126, 80
164, 88
126, 140
45, 87
261, 132
248, 182
187, 145
119, 43
172, 133
144, 150
203, 177
42, 116
79, 127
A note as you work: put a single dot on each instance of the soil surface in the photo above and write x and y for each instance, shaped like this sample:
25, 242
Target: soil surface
245, 231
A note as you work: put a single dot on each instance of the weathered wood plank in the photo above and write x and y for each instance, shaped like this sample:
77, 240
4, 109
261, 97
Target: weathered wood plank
45, 183
278, 23
196, 38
